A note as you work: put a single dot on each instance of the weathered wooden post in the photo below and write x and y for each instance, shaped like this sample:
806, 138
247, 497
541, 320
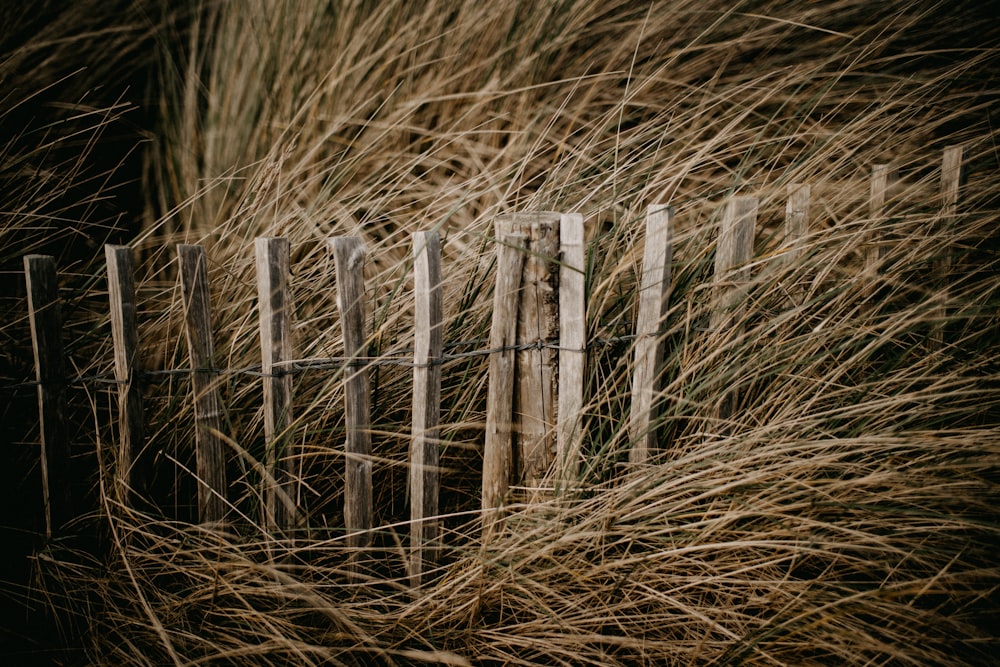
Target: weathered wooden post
209, 448
537, 327
45, 317
796, 231
274, 298
733, 252
349, 260
884, 179
654, 298
952, 179
572, 347
498, 448
130, 466
425, 529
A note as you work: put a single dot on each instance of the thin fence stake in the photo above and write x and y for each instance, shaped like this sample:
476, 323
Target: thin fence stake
952, 179
273, 268
538, 322
45, 316
572, 347
498, 449
210, 454
654, 298
130, 467
349, 258
884, 179
796, 230
733, 252
427, 350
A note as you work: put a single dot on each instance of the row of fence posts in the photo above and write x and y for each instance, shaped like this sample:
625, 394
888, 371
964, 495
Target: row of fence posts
538, 334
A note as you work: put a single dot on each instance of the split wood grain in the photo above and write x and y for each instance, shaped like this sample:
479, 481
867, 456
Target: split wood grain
130, 466
537, 362
275, 314
349, 260
424, 442
952, 180
209, 451
733, 252
883, 181
498, 449
796, 231
45, 317
654, 300
572, 347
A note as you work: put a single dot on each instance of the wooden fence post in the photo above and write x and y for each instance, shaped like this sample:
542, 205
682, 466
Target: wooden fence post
884, 178
952, 179
273, 267
45, 317
425, 528
130, 467
572, 347
796, 231
498, 449
796, 221
537, 365
349, 258
733, 252
654, 298
210, 455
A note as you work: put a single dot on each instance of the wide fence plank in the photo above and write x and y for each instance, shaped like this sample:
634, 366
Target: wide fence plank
654, 298
274, 298
425, 527
45, 317
349, 260
130, 466
733, 252
209, 446
498, 449
572, 347
952, 179
537, 362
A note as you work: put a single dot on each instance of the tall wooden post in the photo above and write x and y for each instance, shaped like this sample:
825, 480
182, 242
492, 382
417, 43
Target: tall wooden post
572, 347
537, 365
45, 317
349, 258
654, 298
498, 449
952, 179
130, 467
425, 527
796, 231
274, 298
210, 452
733, 252
884, 178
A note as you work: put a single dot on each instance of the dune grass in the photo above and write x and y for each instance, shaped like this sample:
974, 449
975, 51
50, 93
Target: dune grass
844, 514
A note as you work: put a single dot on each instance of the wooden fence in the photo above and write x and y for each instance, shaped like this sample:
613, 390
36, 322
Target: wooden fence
538, 334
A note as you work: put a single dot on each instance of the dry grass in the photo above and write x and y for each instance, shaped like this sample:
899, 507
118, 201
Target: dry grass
845, 514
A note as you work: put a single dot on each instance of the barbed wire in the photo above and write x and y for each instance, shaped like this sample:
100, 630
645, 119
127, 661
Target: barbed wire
400, 358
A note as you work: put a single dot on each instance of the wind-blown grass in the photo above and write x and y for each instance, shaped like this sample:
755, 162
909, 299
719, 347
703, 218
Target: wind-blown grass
72, 79
844, 514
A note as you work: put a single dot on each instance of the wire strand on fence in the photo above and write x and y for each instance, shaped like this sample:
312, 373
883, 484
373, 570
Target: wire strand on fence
400, 358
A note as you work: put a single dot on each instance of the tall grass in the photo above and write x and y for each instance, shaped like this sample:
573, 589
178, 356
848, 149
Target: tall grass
844, 514
73, 80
